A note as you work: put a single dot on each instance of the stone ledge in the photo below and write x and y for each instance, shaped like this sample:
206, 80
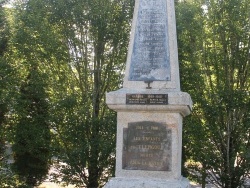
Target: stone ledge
147, 183
178, 102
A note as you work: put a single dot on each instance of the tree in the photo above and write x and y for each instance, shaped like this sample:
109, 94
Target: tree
7, 178
97, 36
32, 136
4, 69
217, 134
81, 45
190, 29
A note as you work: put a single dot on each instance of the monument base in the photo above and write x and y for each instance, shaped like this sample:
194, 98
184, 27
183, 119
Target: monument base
147, 183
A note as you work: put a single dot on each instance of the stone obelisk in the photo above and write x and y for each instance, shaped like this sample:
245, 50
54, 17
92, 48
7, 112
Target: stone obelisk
150, 106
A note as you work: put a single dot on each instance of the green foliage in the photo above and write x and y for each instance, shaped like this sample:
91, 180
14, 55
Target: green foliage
97, 38
75, 50
217, 134
81, 46
32, 134
7, 178
3, 31
78, 149
3, 103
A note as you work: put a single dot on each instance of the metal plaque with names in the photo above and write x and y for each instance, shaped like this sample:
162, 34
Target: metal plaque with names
147, 99
147, 146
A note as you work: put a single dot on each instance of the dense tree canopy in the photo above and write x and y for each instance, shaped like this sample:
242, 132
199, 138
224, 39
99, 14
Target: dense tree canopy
217, 48
32, 134
59, 58
81, 48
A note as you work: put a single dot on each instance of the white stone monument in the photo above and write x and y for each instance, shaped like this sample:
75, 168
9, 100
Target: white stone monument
150, 106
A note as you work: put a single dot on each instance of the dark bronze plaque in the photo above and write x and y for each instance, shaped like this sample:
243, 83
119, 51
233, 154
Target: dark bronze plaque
147, 99
147, 146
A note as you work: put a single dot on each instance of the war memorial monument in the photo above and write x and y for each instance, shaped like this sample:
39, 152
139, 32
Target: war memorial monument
150, 107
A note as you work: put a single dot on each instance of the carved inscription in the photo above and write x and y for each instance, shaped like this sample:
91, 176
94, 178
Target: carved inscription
147, 146
150, 54
147, 99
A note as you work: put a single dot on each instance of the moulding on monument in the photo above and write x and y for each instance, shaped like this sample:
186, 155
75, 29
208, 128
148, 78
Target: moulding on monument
178, 102
155, 57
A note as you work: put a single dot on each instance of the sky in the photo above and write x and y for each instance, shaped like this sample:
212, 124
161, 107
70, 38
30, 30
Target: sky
9, 4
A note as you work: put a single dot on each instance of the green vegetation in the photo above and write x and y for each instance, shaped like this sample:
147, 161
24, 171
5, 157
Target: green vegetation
59, 58
215, 46
66, 56
32, 133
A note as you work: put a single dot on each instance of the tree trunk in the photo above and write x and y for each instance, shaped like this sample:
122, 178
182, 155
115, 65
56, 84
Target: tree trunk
203, 180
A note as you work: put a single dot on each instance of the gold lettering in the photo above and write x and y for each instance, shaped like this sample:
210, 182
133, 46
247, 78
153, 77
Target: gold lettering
146, 155
157, 139
153, 147
137, 138
133, 147
134, 162
137, 162
154, 128
138, 127
155, 163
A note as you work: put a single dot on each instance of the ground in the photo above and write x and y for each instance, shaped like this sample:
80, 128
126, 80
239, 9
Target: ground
48, 184
53, 185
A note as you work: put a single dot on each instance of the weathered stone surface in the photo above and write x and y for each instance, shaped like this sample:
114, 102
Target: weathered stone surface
150, 55
179, 102
150, 107
147, 183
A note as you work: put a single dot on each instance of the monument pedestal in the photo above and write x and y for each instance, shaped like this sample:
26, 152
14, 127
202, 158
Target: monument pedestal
151, 106
147, 183
149, 137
